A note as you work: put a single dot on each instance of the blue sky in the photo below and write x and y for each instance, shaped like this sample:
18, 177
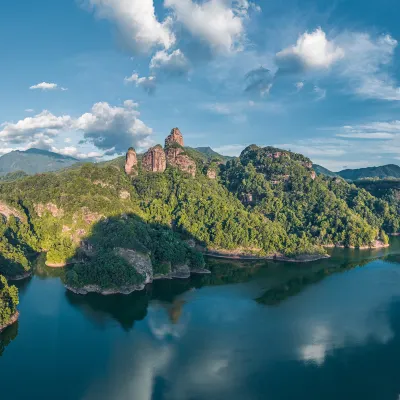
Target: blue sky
93, 77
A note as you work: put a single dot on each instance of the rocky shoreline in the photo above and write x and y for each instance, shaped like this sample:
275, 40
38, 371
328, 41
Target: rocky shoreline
302, 258
126, 290
25, 275
12, 321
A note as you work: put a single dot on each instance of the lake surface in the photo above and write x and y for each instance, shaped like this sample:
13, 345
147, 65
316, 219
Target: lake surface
325, 330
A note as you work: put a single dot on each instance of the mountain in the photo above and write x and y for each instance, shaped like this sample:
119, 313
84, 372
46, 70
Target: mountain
211, 154
382, 172
34, 161
324, 171
154, 216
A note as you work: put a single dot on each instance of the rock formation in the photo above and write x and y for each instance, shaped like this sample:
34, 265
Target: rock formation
211, 173
174, 137
154, 160
176, 157
130, 161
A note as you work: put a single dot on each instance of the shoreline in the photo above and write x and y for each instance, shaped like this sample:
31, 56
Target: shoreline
126, 290
302, 258
21, 277
12, 321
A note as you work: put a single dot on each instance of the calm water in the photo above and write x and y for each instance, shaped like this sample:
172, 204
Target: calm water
327, 330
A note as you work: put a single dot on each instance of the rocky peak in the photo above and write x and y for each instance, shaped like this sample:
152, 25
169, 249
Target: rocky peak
176, 157
130, 161
154, 160
174, 137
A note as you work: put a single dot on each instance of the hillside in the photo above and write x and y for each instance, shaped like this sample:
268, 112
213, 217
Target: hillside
320, 170
382, 172
33, 161
121, 226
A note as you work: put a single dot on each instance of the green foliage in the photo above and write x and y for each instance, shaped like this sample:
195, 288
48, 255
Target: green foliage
8, 301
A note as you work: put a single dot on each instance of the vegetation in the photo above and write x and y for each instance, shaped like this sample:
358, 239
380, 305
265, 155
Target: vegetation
266, 202
8, 302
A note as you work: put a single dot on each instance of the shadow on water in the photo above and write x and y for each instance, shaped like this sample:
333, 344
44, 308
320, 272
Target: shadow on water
7, 336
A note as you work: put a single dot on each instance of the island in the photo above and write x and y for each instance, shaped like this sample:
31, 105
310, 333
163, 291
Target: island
118, 225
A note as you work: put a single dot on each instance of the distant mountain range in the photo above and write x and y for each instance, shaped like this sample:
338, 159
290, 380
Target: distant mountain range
382, 172
34, 161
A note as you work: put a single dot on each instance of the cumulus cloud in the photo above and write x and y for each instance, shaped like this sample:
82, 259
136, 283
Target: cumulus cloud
73, 151
148, 84
117, 128
173, 64
111, 129
44, 86
137, 22
259, 81
311, 51
215, 22
31, 128
299, 86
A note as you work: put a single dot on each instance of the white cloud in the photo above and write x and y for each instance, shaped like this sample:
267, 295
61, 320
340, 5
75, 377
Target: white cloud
173, 64
29, 110
366, 65
148, 84
299, 85
373, 130
111, 129
137, 22
72, 151
319, 92
214, 22
311, 51
44, 86
117, 128
218, 108
28, 129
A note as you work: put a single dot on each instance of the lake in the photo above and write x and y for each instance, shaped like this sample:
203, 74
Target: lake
324, 330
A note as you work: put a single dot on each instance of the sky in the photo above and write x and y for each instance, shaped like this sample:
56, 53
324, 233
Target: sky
90, 78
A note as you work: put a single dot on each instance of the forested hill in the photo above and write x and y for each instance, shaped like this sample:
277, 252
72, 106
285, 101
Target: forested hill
382, 172
161, 210
385, 171
33, 161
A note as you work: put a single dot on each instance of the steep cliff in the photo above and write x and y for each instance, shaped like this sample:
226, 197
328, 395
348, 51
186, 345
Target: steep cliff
131, 161
154, 160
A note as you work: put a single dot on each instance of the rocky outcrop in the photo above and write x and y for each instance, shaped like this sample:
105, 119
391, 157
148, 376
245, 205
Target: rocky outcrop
131, 162
140, 261
174, 137
7, 211
124, 195
211, 173
13, 320
176, 157
154, 160
51, 208
313, 175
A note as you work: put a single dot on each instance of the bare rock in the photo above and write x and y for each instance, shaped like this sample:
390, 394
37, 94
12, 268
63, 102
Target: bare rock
140, 261
211, 173
51, 208
124, 195
174, 137
154, 160
176, 157
7, 211
313, 175
130, 161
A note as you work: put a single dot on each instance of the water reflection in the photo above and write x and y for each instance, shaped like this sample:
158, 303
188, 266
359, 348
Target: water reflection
7, 336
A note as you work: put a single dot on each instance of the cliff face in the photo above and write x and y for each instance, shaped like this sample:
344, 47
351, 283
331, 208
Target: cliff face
177, 158
154, 160
174, 137
130, 161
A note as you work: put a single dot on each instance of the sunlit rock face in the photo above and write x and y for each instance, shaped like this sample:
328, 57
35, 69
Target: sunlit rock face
154, 160
176, 157
130, 161
174, 137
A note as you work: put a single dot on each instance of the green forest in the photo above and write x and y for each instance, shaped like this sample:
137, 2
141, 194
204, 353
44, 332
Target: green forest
266, 202
8, 302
